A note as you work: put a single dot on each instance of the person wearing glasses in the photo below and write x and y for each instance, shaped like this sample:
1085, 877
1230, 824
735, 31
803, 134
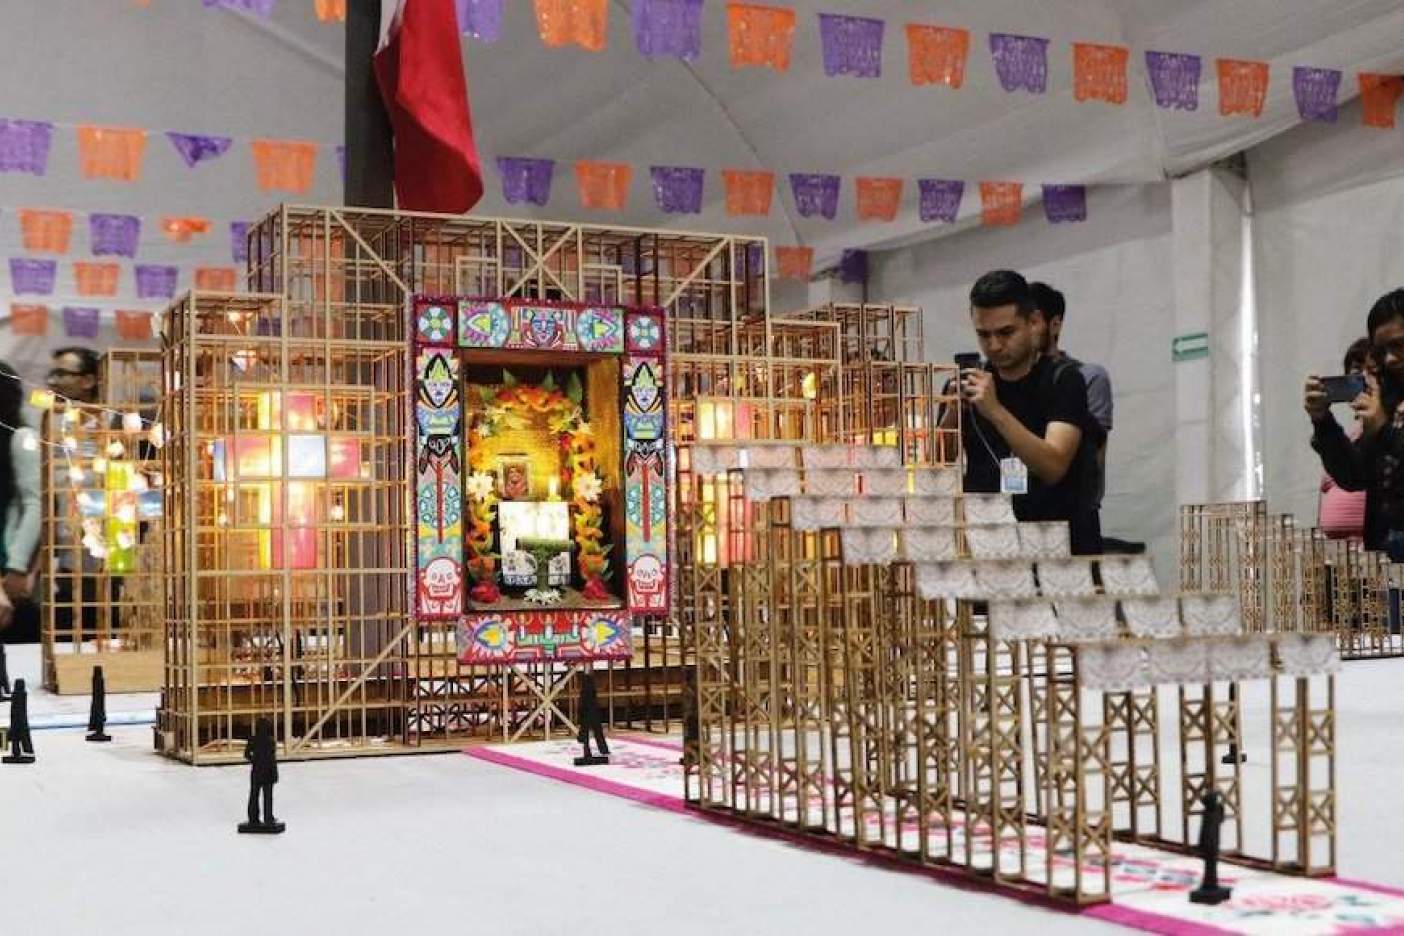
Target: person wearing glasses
1372, 462
74, 374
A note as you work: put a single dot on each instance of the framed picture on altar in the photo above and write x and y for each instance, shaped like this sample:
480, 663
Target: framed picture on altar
514, 477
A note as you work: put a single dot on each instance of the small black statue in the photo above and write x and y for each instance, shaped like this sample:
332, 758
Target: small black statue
97, 711
591, 721
4, 676
21, 744
1209, 891
262, 752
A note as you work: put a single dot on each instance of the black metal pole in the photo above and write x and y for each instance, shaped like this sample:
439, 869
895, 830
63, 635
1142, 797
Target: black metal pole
370, 153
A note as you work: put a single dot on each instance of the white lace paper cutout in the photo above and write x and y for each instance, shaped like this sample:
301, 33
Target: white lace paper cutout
830, 482
876, 511
993, 542
1022, 620
1045, 540
948, 580
1240, 659
714, 459
826, 456
1006, 579
928, 544
765, 483
876, 456
1210, 615
1152, 617
1083, 619
1113, 667
885, 482
817, 513
938, 482
868, 546
1308, 654
1065, 578
931, 511
770, 456
1129, 576
1179, 662
988, 508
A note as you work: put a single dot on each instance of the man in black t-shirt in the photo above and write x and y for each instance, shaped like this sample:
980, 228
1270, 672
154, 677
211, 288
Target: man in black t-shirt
1027, 413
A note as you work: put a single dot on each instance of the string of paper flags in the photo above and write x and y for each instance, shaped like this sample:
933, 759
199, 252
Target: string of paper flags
763, 36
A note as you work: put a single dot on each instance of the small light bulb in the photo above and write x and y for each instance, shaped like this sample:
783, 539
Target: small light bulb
75, 474
338, 512
229, 495
30, 443
71, 415
41, 399
116, 449
70, 444
158, 435
100, 465
131, 422
126, 540
222, 519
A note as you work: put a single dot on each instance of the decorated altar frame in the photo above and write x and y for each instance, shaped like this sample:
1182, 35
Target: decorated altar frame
623, 353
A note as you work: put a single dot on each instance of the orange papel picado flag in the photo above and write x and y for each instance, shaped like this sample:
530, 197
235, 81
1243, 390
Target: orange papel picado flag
937, 54
748, 192
582, 22
284, 165
1099, 72
1001, 202
794, 262
45, 231
760, 36
878, 199
95, 279
1242, 87
603, 185
111, 152
1379, 96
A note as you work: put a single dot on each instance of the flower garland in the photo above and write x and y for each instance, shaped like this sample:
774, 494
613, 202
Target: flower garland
566, 420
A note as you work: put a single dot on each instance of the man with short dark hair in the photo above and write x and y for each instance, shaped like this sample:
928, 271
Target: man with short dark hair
1028, 419
1373, 462
74, 374
1052, 309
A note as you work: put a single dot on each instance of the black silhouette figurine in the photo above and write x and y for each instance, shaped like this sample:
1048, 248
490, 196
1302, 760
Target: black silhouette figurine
1209, 891
591, 721
97, 712
21, 744
262, 752
4, 676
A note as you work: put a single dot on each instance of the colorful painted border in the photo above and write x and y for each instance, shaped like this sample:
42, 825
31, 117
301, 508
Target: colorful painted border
645, 476
438, 421
523, 325
502, 637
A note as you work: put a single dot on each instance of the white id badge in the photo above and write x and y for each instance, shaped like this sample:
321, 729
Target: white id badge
1013, 476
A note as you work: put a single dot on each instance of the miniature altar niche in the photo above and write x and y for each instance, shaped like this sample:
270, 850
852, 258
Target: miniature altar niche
541, 483
544, 492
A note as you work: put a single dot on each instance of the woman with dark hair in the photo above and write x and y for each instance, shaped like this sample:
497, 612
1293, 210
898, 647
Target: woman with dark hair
19, 495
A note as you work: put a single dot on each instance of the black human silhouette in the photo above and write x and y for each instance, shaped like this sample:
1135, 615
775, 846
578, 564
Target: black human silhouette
261, 751
4, 676
97, 711
1209, 891
591, 722
21, 744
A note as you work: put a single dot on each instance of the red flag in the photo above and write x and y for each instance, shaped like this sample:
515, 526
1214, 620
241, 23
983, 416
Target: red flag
419, 65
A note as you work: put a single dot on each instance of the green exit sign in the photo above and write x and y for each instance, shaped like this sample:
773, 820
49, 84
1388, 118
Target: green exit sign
1189, 347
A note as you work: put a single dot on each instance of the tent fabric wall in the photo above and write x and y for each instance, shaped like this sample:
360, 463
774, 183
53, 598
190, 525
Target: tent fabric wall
1116, 275
1328, 217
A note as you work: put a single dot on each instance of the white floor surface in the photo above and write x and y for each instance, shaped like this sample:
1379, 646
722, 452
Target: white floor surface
112, 839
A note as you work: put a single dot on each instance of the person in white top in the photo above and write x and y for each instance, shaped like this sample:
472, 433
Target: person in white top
19, 489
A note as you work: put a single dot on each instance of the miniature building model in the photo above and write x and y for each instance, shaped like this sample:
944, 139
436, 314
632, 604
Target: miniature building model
101, 559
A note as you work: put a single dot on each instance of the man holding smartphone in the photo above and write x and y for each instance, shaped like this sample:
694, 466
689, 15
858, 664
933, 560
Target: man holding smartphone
1027, 430
1374, 461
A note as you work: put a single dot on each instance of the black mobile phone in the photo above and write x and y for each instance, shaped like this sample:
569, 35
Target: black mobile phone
1343, 389
968, 360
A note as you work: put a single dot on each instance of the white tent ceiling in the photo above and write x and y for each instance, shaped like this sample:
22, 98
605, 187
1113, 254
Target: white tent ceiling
177, 65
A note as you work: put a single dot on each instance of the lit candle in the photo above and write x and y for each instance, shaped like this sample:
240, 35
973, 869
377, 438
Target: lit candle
553, 488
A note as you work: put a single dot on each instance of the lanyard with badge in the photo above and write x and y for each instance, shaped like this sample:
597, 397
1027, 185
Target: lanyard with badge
1013, 473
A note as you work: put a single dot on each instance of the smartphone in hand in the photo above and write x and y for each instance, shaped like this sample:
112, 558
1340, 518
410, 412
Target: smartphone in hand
1343, 389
